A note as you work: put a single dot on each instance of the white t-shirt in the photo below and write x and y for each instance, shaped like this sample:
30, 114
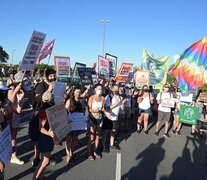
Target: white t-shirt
145, 103
114, 113
162, 97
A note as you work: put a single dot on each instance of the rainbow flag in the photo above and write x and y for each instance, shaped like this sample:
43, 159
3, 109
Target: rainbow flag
191, 69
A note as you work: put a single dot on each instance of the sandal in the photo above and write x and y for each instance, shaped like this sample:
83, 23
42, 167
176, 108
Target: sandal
91, 158
97, 155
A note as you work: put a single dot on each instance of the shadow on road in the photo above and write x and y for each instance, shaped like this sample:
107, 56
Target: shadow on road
150, 160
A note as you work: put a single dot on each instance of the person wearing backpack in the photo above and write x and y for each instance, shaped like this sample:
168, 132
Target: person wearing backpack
45, 140
164, 112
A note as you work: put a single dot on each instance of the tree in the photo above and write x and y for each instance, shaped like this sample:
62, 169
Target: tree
3, 55
171, 80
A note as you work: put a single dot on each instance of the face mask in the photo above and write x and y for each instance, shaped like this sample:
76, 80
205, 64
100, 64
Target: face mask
166, 89
99, 92
51, 80
116, 92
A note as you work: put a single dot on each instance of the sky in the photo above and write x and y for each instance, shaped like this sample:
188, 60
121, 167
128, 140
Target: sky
163, 27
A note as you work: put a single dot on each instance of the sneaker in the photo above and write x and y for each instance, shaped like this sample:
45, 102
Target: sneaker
35, 162
146, 132
16, 161
166, 135
178, 133
116, 147
173, 132
156, 134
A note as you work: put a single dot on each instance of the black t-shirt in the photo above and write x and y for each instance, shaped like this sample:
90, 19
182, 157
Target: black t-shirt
39, 90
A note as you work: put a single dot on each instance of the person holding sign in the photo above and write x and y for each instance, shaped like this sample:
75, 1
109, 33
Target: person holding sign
166, 102
46, 136
96, 108
75, 108
145, 99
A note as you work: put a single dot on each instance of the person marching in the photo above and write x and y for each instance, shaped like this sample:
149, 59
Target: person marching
145, 99
96, 108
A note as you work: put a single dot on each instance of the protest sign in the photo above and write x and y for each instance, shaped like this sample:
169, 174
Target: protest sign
142, 78
112, 64
76, 77
94, 76
85, 75
78, 121
32, 52
125, 69
168, 102
103, 67
58, 92
58, 120
203, 97
186, 98
188, 114
62, 66
5, 145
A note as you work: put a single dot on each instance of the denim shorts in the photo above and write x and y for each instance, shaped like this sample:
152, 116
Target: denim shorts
145, 111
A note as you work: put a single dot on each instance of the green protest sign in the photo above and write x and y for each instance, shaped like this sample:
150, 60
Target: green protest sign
188, 114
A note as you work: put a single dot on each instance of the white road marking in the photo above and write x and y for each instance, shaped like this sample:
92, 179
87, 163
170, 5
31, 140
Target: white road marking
118, 166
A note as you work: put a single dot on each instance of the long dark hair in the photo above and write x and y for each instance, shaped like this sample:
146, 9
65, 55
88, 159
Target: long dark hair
72, 99
142, 91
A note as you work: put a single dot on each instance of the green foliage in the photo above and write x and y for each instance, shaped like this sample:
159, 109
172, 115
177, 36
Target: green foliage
3, 55
42, 67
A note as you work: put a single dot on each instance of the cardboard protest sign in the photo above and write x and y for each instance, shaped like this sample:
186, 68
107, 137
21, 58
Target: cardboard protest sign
203, 97
76, 77
188, 114
142, 78
32, 52
85, 75
58, 120
125, 69
103, 67
186, 97
168, 102
112, 64
5, 145
58, 92
78, 121
62, 66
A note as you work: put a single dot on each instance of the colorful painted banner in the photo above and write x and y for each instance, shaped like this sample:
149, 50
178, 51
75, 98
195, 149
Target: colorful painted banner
5, 145
58, 120
85, 74
32, 52
103, 67
125, 69
112, 64
188, 114
142, 78
62, 66
158, 68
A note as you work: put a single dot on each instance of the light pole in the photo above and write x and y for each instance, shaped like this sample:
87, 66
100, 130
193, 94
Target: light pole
13, 55
104, 34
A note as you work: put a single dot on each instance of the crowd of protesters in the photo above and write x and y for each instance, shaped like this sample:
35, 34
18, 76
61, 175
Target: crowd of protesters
111, 108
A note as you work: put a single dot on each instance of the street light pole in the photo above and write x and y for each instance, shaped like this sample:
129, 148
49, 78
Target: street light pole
104, 34
13, 55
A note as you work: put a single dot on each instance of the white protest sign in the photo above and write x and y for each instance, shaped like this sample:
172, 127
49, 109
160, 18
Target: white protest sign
186, 98
32, 52
62, 66
78, 121
58, 92
5, 145
168, 102
58, 120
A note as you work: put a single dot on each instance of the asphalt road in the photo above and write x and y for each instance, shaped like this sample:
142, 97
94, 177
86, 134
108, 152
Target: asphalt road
142, 157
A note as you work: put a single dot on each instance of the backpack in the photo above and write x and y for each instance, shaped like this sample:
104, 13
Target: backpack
34, 131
